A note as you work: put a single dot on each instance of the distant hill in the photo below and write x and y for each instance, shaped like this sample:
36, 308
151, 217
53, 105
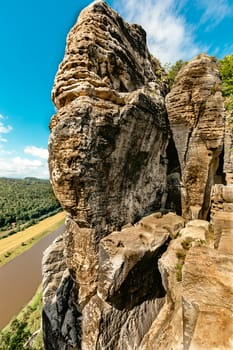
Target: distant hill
25, 201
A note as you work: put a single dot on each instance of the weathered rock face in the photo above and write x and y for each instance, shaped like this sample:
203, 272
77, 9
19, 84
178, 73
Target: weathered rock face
61, 315
127, 256
166, 332
227, 158
109, 137
116, 280
222, 217
197, 312
207, 300
107, 145
196, 113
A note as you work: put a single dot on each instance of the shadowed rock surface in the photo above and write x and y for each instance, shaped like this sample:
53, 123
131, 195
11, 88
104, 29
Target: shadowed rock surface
125, 275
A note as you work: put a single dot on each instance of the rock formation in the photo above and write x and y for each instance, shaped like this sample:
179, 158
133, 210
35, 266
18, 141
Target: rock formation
196, 113
108, 144
122, 276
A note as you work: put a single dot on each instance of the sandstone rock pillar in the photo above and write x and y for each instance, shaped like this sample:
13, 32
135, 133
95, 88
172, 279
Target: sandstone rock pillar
106, 157
196, 114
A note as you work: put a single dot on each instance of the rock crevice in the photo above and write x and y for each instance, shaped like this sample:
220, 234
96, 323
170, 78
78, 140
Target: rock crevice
126, 159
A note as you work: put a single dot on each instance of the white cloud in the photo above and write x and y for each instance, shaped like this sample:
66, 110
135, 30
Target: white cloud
20, 166
37, 151
4, 152
23, 167
5, 129
23, 162
168, 34
214, 11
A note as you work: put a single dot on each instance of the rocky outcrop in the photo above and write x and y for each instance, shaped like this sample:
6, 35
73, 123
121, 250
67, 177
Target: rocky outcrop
222, 217
227, 157
197, 312
207, 300
108, 140
107, 145
196, 113
132, 254
61, 316
127, 275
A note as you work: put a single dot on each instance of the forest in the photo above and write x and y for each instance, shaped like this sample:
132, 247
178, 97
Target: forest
225, 66
24, 201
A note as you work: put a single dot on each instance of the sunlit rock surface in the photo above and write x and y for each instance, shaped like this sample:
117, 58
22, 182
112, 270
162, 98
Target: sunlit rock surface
207, 300
128, 275
107, 148
196, 113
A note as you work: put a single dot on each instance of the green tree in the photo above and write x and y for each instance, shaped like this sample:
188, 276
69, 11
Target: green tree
226, 72
22, 200
172, 71
15, 338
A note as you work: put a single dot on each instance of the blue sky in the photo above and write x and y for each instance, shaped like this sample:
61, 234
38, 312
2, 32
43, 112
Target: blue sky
32, 37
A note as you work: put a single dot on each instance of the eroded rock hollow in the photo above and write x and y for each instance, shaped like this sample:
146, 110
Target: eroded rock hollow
119, 162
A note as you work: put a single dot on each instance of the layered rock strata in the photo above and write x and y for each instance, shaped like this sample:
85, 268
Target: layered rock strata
116, 280
227, 157
107, 149
207, 299
222, 217
196, 114
166, 331
109, 137
197, 312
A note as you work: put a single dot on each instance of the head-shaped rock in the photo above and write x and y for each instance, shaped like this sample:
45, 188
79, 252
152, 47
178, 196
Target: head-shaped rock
110, 133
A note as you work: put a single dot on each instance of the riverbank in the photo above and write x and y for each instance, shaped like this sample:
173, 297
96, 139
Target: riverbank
25, 328
20, 278
13, 246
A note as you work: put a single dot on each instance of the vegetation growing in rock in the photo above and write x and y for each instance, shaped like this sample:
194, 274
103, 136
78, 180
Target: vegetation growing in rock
24, 201
179, 267
186, 244
180, 254
216, 87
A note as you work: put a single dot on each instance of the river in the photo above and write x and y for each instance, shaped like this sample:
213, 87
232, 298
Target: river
20, 278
